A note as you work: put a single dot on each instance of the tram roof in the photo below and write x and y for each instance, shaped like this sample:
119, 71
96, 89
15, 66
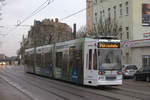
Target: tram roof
87, 39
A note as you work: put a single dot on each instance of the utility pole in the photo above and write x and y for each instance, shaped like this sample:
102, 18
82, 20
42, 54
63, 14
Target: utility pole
74, 31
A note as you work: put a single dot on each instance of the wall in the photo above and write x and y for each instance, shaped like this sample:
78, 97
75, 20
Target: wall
138, 29
137, 54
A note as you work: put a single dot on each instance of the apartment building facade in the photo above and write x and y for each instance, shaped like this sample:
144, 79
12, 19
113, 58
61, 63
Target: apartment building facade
133, 19
48, 32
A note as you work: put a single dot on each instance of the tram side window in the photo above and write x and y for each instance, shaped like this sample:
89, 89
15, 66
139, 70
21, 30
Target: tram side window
90, 59
43, 60
95, 59
32, 59
79, 58
29, 60
26, 59
38, 59
48, 59
59, 59
65, 59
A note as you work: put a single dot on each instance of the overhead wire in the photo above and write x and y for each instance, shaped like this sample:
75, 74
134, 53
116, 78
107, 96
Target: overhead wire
40, 8
73, 14
33, 12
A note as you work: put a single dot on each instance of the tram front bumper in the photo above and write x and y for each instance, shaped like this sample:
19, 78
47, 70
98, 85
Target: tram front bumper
109, 82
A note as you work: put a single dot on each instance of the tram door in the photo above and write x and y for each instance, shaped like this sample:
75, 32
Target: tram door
91, 72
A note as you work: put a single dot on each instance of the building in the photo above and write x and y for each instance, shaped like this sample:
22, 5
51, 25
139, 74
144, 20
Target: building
133, 19
2, 57
47, 32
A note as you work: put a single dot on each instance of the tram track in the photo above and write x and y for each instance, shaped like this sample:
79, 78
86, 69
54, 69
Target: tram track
109, 89
37, 86
138, 86
134, 97
104, 89
58, 88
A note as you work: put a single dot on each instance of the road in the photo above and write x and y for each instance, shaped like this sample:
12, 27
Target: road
17, 85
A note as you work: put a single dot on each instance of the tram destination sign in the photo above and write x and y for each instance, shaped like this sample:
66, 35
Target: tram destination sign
108, 45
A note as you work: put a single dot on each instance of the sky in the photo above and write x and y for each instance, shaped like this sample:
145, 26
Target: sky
17, 10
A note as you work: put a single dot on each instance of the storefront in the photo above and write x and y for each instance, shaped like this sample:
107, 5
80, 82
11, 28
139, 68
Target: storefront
140, 52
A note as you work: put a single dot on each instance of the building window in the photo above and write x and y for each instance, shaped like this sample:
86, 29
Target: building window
96, 17
108, 12
120, 9
127, 57
95, 14
114, 12
146, 60
127, 8
96, 1
101, 14
127, 31
120, 29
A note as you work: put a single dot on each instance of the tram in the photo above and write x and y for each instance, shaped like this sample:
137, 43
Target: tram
87, 61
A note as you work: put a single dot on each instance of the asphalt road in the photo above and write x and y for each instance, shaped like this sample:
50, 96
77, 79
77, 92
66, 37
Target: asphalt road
17, 85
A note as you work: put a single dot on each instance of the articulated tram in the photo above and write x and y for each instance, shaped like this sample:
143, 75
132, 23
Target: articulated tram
84, 61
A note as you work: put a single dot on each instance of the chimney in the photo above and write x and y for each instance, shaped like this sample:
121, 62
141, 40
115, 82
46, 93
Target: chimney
56, 20
52, 20
74, 31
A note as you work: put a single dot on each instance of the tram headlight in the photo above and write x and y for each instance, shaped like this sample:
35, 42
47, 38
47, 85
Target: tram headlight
101, 72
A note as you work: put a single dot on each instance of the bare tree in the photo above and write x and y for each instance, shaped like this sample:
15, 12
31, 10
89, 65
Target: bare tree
2, 3
82, 32
18, 52
107, 27
51, 37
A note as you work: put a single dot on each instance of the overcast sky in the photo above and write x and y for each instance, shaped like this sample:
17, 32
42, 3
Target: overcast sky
17, 10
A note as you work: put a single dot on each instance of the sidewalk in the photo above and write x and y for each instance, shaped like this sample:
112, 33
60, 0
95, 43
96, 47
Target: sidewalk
7, 92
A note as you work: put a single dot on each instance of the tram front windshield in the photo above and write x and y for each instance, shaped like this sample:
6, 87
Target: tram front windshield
109, 58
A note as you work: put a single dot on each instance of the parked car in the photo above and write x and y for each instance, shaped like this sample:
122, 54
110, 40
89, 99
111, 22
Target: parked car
2, 63
129, 70
143, 74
